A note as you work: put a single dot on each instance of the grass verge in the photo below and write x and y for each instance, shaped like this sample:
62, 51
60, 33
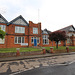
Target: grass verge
6, 50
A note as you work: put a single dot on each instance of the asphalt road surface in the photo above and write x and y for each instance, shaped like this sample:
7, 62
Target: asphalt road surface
65, 69
52, 70
56, 65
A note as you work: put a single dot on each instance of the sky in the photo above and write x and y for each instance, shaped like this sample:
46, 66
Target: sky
53, 14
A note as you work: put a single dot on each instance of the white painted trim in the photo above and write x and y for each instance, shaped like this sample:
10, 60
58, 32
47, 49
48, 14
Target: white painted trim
37, 30
17, 39
18, 29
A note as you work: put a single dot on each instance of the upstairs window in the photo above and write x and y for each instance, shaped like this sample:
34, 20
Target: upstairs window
19, 29
2, 27
35, 30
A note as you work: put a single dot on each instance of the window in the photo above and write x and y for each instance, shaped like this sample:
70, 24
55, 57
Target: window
35, 30
69, 40
37, 38
59, 42
22, 39
45, 39
19, 29
3, 27
2, 41
32, 40
19, 40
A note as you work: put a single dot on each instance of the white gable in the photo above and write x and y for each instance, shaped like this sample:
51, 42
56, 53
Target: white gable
71, 29
19, 21
1, 20
45, 32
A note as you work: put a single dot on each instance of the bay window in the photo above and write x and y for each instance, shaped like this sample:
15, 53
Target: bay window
45, 39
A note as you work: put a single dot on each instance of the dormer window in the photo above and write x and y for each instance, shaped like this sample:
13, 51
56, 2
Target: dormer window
19, 29
35, 30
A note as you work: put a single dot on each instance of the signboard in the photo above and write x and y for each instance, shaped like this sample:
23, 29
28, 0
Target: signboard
24, 44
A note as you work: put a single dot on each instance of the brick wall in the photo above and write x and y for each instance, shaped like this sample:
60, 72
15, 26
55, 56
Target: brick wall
31, 26
10, 36
5, 43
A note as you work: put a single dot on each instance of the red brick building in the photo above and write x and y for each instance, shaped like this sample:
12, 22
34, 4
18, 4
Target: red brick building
20, 33
70, 32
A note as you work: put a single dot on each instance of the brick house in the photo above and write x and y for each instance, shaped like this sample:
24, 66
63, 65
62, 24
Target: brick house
70, 32
3, 25
46, 42
20, 33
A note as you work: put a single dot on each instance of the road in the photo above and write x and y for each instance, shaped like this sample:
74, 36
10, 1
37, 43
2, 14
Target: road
52, 70
56, 65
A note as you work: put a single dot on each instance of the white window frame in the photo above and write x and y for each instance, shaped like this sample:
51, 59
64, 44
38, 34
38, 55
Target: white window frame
69, 40
59, 42
19, 29
35, 30
39, 40
2, 40
45, 37
4, 29
17, 40
36, 39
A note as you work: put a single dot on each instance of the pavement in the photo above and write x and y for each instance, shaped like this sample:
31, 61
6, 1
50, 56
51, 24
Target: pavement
33, 56
17, 67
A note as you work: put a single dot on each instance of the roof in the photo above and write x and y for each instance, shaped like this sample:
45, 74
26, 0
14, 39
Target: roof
19, 17
3, 19
48, 32
68, 28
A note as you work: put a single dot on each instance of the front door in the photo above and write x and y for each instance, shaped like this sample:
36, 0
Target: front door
35, 42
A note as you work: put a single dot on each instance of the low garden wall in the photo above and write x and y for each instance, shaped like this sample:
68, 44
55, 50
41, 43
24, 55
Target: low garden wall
12, 54
64, 51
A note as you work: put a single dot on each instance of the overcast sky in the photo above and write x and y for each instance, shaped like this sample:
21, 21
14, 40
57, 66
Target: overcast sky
53, 14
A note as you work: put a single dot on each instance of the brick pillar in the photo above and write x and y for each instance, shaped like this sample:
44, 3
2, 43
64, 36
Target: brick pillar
51, 49
67, 48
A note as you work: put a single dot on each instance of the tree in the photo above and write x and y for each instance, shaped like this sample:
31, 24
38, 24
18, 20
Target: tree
57, 36
2, 34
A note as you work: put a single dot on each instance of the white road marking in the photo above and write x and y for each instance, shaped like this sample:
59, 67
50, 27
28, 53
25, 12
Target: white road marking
20, 71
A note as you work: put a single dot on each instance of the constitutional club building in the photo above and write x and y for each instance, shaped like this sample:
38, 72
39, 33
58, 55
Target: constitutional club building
20, 33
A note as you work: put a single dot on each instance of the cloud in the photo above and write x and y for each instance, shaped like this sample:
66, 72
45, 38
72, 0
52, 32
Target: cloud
53, 14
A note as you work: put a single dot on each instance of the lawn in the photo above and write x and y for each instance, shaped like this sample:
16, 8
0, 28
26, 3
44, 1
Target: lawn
60, 48
6, 50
